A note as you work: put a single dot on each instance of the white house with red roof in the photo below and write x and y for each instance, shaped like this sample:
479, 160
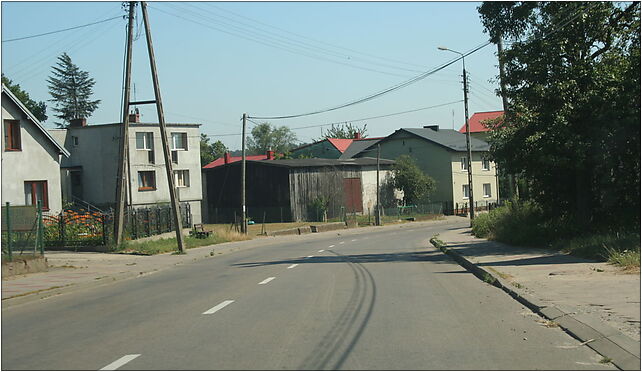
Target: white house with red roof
476, 122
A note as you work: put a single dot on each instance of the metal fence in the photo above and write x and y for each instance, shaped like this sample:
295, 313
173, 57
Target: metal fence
75, 228
22, 230
145, 222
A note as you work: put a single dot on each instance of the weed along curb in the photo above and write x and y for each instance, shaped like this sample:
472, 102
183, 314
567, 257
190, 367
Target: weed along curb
621, 350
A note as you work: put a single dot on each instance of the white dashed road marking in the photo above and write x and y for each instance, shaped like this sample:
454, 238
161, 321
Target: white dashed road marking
353, 240
218, 307
120, 362
267, 280
293, 266
309, 256
321, 250
342, 242
331, 246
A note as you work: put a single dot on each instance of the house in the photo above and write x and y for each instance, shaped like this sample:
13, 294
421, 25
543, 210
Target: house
226, 159
476, 123
287, 189
441, 154
31, 158
90, 173
334, 148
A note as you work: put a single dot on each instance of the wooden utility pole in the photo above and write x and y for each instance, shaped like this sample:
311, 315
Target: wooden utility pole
163, 131
119, 213
470, 153
378, 215
243, 206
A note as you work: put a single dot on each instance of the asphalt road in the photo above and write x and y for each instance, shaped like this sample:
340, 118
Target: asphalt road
374, 300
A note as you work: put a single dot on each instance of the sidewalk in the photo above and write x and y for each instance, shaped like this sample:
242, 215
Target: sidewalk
594, 301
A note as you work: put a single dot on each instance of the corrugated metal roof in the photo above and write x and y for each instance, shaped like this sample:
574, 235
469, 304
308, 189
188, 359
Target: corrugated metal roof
475, 121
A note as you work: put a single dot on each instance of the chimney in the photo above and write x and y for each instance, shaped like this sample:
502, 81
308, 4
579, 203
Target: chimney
76, 123
270, 155
226, 157
134, 118
433, 127
357, 135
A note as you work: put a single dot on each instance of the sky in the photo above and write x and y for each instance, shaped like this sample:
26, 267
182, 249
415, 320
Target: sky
218, 60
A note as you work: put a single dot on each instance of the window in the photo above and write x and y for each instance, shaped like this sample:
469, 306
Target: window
175, 157
485, 164
144, 141
12, 135
487, 190
464, 163
146, 180
34, 191
179, 141
181, 178
465, 191
74, 140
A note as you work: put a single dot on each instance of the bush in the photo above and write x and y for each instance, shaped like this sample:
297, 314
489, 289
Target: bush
514, 223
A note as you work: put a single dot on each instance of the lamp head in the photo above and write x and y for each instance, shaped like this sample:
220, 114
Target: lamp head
442, 48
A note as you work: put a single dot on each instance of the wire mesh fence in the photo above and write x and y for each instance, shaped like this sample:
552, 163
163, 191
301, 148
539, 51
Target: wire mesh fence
22, 230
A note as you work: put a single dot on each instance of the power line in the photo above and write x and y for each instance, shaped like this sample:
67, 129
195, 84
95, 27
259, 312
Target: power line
380, 93
578, 12
63, 30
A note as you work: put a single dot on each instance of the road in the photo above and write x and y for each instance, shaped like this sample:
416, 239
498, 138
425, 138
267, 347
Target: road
368, 299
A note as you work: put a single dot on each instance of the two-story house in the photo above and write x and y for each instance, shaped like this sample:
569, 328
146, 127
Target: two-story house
441, 154
91, 171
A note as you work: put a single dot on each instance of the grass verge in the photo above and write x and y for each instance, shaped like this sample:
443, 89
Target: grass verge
152, 247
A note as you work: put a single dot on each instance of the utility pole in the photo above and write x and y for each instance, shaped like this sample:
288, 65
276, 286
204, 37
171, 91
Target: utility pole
243, 206
163, 132
378, 215
468, 150
119, 213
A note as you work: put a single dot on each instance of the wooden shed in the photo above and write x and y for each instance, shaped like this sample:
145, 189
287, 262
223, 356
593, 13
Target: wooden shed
288, 190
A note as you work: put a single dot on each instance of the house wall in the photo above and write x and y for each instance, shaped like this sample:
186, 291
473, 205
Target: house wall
480, 177
369, 185
432, 159
39, 160
323, 149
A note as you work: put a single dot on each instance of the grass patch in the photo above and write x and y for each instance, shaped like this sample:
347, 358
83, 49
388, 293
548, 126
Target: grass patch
524, 224
152, 247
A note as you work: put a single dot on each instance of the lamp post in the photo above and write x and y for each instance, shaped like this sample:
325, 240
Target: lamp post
468, 150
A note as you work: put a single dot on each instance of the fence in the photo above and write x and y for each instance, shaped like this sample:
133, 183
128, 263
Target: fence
461, 209
144, 222
22, 230
75, 228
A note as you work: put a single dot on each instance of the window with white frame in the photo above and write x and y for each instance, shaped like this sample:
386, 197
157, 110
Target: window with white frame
487, 190
144, 141
179, 141
464, 163
181, 178
465, 192
485, 164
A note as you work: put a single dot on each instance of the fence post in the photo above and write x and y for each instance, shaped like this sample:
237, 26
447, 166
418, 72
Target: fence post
9, 235
158, 220
148, 227
103, 217
134, 217
61, 222
40, 240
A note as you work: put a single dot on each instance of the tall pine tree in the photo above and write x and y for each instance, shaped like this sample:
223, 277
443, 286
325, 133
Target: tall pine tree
71, 89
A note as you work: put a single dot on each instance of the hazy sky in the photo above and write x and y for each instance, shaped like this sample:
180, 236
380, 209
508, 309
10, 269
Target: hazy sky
217, 60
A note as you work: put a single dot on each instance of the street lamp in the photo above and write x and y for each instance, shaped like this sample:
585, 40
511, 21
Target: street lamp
470, 154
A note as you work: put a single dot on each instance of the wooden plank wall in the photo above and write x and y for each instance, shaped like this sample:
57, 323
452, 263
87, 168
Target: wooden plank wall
307, 184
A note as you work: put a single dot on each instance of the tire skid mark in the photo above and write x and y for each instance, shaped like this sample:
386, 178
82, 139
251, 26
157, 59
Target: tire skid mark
339, 341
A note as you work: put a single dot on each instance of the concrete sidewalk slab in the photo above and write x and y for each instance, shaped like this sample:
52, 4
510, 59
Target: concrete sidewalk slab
594, 301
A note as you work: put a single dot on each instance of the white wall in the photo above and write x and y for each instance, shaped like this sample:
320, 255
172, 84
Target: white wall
38, 161
369, 186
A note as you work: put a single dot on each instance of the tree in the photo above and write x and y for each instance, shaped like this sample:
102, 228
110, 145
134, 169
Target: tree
345, 130
267, 137
414, 183
70, 89
211, 151
573, 83
38, 109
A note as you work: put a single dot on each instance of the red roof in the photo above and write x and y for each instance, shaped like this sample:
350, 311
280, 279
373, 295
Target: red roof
476, 120
221, 161
340, 143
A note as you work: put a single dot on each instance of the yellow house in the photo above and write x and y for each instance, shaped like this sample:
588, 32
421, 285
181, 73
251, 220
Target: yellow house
441, 154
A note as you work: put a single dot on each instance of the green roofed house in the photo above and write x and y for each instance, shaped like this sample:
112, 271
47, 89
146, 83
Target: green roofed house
334, 148
441, 154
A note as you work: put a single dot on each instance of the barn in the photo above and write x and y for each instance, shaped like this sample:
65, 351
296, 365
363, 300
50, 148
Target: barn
289, 190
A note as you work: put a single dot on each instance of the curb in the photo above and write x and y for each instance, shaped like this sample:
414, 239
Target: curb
609, 342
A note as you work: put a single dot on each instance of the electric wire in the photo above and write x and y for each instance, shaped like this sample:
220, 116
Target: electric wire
569, 19
57, 31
